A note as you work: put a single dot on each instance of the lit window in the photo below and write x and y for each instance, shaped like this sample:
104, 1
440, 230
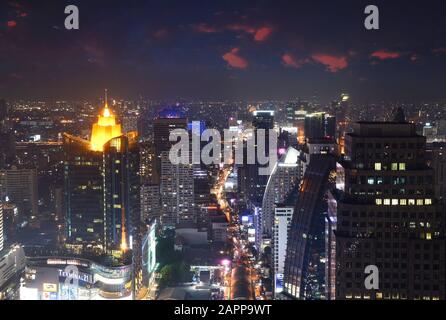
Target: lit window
378, 202
387, 202
420, 202
411, 202
371, 180
394, 202
394, 166
428, 202
403, 202
402, 167
378, 166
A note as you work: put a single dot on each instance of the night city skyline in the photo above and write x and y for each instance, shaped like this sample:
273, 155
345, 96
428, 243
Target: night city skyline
253, 50
258, 152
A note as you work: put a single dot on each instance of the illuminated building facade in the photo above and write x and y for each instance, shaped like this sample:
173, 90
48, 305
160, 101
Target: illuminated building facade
161, 131
320, 126
150, 202
177, 193
253, 184
284, 176
304, 274
102, 187
341, 111
282, 222
121, 190
20, 186
147, 162
387, 216
12, 265
52, 279
83, 192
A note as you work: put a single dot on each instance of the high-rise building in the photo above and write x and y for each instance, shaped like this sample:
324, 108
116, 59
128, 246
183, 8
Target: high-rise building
10, 223
121, 191
304, 272
282, 222
252, 183
130, 123
386, 216
343, 118
282, 179
162, 127
12, 265
150, 202
202, 194
147, 162
2, 237
3, 115
263, 119
437, 159
430, 132
177, 193
20, 186
83, 192
320, 126
102, 187
7, 149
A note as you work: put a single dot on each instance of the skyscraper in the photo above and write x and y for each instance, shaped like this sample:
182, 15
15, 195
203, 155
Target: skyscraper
282, 221
162, 127
252, 183
83, 192
437, 152
102, 187
147, 162
343, 118
282, 179
121, 191
386, 216
319, 126
2, 238
304, 272
20, 186
177, 193
150, 202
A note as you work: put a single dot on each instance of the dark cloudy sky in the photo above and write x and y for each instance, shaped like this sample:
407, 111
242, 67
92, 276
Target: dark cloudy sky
218, 49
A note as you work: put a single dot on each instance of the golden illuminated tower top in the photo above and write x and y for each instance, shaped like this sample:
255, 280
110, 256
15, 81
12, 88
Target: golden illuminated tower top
105, 129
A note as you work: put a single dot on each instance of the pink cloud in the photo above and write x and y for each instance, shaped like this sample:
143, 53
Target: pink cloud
11, 24
384, 54
234, 60
205, 28
291, 61
333, 63
241, 27
262, 34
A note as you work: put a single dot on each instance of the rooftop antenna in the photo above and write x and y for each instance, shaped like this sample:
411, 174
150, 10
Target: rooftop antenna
106, 98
